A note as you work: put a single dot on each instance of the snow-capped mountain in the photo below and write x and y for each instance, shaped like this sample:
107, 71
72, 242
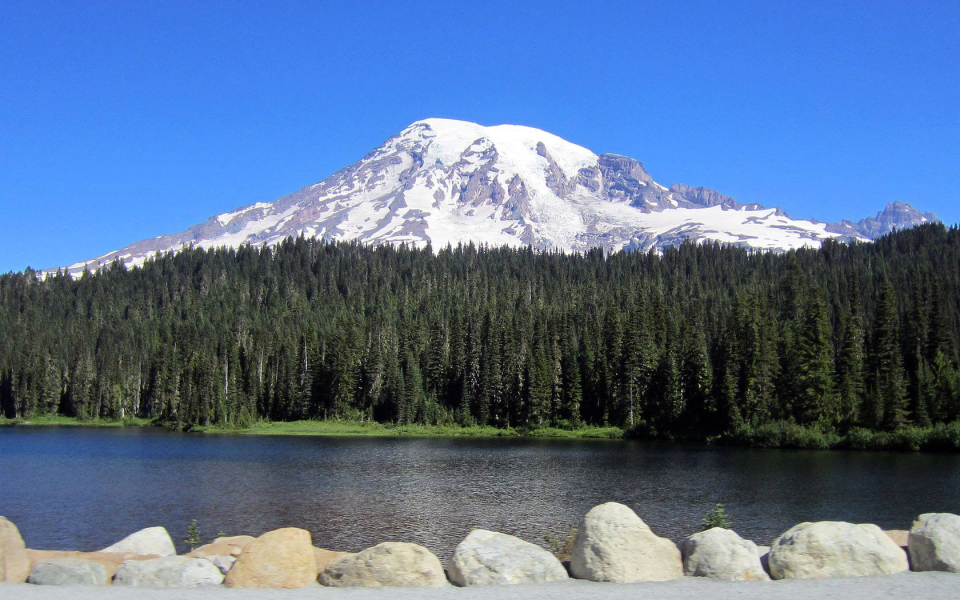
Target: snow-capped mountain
444, 182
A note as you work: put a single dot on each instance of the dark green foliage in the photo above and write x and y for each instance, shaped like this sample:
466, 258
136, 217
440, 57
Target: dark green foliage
716, 517
815, 392
813, 348
193, 535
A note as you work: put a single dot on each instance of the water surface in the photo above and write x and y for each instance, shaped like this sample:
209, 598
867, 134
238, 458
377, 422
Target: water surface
85, 488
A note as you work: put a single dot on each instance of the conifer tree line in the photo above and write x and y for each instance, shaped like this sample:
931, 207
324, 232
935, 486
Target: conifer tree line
696, 341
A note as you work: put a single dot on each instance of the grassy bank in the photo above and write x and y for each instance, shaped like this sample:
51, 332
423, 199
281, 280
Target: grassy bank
72, 421
340, 428
357, 428
781, 434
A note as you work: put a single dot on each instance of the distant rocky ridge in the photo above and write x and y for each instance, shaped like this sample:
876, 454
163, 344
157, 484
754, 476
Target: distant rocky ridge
896, 215
445, 182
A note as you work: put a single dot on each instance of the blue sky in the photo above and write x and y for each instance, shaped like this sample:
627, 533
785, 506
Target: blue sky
122, 121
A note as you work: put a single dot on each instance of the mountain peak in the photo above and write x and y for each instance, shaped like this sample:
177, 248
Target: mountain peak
444, 181
449, 139
895, 215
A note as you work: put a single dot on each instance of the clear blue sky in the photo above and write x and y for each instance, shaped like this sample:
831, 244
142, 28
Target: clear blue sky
122, 121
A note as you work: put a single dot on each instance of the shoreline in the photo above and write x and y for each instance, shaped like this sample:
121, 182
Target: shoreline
341, 429
927, 585
944, 439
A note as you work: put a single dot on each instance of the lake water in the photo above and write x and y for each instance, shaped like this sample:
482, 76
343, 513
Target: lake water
85, 488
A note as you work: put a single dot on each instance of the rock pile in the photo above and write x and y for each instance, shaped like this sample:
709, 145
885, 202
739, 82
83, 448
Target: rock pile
612, 544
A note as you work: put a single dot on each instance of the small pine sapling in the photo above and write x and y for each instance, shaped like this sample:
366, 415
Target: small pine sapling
717, 517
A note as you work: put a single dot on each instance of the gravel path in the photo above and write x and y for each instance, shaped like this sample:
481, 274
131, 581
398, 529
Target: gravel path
926, 586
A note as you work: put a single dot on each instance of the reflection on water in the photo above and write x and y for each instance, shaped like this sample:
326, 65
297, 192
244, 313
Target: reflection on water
84, 488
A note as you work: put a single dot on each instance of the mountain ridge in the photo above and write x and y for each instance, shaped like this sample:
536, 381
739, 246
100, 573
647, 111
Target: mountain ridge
442, 181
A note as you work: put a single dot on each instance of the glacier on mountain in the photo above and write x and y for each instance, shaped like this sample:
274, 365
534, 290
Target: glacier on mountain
442, 181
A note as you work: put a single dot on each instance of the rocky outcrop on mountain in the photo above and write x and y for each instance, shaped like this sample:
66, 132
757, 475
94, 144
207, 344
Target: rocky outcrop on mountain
443, 182
896, 215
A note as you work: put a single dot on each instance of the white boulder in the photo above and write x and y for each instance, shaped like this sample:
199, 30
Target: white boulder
835, 549
168, 572
487, 557
68, 571
614, 544
152, 540
934, 543
390, 564
720, 553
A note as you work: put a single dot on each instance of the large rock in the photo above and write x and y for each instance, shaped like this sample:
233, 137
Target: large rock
152, 540
14, 564
110, 561
390, 564
934, 543
835, 549
277, 559
720, 553
486, 557
614, 544
68, 571
169, 572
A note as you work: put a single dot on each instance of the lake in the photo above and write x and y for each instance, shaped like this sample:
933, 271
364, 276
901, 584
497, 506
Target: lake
85, 488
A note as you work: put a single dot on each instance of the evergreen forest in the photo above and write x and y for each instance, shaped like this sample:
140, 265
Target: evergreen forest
698, 342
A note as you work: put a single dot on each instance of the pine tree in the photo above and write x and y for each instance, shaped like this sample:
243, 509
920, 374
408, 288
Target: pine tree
695, 379
850, 370
816, 393
640, 361
571, 389
888, 387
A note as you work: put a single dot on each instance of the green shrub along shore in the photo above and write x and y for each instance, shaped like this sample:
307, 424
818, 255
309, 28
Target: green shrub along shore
938, 438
